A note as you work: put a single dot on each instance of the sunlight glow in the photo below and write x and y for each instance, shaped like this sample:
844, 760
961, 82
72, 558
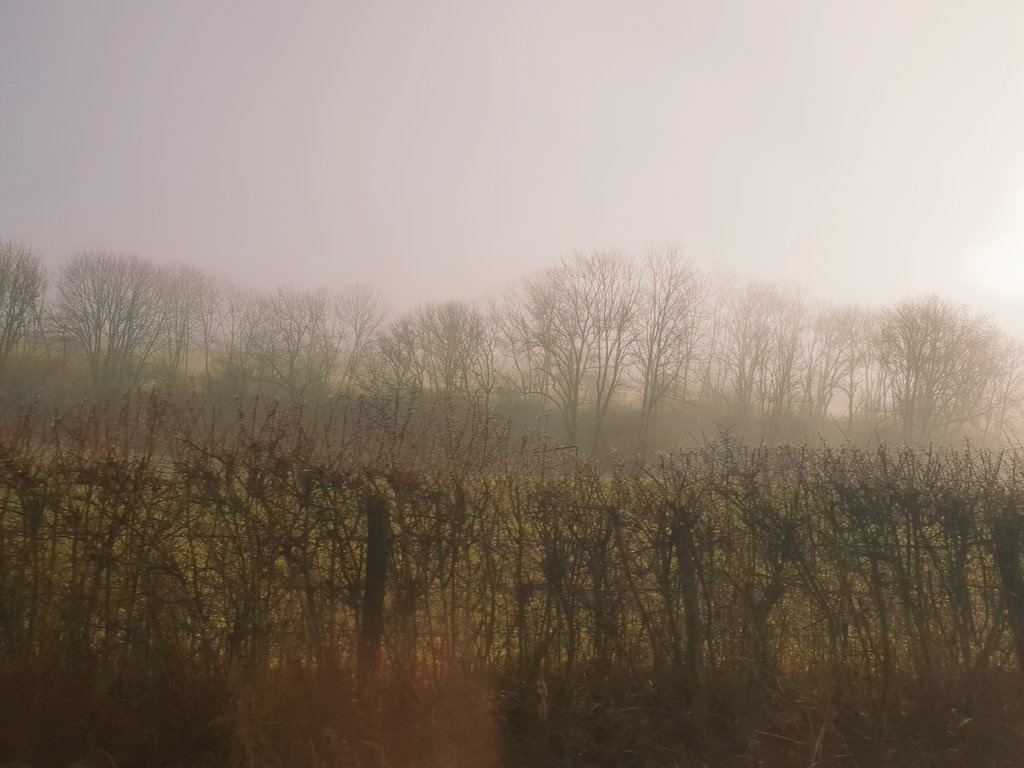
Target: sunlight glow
996, 263
999, 267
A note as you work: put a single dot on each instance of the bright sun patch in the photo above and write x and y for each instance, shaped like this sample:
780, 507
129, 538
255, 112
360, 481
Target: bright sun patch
996, 263
998, 267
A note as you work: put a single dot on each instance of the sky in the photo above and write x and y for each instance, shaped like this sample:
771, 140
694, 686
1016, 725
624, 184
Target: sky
865, 150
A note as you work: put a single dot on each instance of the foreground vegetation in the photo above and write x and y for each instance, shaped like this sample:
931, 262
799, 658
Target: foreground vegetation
183, 587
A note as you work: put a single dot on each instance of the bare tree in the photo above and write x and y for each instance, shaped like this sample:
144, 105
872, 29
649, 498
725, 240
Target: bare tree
763, 334
524, 367
748, 347
779, 379
361, 313
555, 317
671, 309
1005, 392
613, 291
875, 372
457, 342
487, 363
183, 290
300, 341
240, 325
715, 364
855, 339
447, 335
939, 360
393, 369
824, 351
111, 304
22, 286
212, 293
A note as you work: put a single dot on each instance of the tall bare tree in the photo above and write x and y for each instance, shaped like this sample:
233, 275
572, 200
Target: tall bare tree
212, 294
763, 335
112, 305
939, 360
182, 290
239, 323
671, 322
557, 318
393, 369
824, 350
715, 355
300, 341
856, 335
1005, 392
361, 312
613, 288
448, 333
487, 363
457, 342
779, 380
523, 366
22, 287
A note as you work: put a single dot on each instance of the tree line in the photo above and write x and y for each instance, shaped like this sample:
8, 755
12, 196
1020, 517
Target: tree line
605, 349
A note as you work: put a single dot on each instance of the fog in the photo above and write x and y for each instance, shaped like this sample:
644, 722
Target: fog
511, 383
448, 149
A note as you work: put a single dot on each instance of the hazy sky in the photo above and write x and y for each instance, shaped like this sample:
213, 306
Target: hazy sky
438, 149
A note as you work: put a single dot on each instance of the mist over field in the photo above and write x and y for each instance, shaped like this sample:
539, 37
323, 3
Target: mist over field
571, 384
